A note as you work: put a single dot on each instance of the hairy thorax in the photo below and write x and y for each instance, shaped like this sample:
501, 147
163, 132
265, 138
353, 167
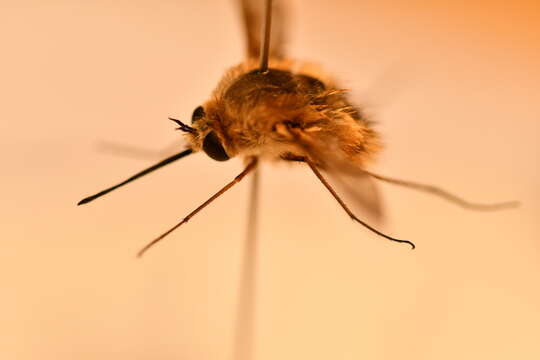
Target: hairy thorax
282, 111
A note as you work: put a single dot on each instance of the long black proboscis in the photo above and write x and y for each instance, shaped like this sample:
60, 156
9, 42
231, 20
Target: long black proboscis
138, 175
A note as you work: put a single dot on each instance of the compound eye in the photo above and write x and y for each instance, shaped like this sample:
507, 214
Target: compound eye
198, 114
213, 148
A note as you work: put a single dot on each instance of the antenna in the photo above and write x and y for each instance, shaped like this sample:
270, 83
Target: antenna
263, 68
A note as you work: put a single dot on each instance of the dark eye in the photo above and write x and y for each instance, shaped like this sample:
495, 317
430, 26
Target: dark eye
198, 114
213, 148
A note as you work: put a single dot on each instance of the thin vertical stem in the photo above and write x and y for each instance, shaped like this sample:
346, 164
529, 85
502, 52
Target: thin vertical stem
266, 37
246, 307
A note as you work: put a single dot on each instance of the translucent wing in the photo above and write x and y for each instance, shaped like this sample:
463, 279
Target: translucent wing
355, 185
361, 193
252, 12
328, 157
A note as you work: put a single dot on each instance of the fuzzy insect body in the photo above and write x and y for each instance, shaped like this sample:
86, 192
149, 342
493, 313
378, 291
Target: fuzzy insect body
278, 109
262, 114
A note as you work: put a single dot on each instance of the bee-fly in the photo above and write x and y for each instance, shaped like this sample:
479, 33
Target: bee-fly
270, 107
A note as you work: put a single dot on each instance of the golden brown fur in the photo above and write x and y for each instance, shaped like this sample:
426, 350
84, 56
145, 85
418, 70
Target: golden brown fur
300, 109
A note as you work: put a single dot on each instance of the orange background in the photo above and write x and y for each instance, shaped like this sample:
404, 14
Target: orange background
455, 89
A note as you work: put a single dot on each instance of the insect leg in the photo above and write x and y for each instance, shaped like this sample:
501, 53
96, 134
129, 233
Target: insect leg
136, 152
347, 210
444, 194
251, 166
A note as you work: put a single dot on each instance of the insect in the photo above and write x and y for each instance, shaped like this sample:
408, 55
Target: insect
273, 108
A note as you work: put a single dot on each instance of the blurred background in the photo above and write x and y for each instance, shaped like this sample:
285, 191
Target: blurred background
455, 88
